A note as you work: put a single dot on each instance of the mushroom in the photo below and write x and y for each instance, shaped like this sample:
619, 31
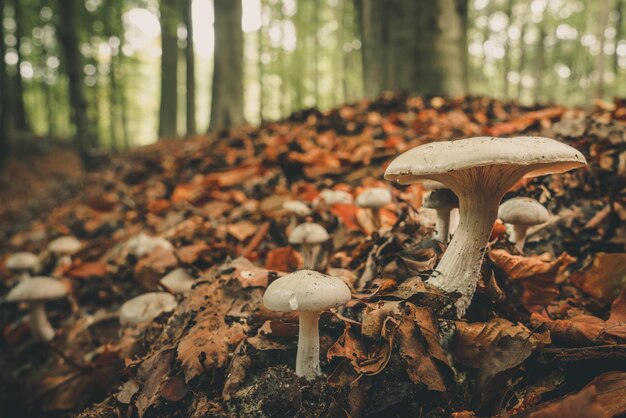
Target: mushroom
35, 293
310, 236
479, 171
307, 292
64, 248
522, 212
142, 244
333, 197
295, 208
374, 198
23, 264
146, 307
443, 201
177, 281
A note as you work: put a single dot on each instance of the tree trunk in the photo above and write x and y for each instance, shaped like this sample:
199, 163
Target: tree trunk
190, 76
227, 96
540, 63
168, 109
4, 97
507, 49
413, 45
605, 10
68, 37
20, 119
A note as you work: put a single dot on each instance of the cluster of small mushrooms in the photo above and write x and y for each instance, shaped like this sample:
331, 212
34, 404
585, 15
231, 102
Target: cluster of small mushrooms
467, 179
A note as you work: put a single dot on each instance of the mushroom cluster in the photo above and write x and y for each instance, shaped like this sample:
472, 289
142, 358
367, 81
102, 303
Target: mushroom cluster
479, 171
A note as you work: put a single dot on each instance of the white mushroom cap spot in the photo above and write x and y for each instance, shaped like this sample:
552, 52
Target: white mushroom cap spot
142, 244
22, 261
297, 207
523, 211
37, 289
67, 245
306, 290
146, 307
308, 233
374, 197
333, 197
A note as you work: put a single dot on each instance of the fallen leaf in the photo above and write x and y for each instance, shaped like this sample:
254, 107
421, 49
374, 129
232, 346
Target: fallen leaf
97, 269
584, 404
604, 278
241, 230
152, 374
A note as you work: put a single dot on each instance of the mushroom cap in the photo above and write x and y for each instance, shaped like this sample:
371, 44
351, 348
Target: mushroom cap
306, 290
297, 207
308, 233
523, 211
333, 197
37, 289
374, 197
146, 307
433, 185
142, 244
437, 160
441, 199
178, 280
67, 245
22, 261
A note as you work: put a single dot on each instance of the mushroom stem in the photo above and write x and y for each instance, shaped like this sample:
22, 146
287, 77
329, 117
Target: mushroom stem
307, 250
39, 324
376, 218
459, 268
308, 358
443, 225
518, 236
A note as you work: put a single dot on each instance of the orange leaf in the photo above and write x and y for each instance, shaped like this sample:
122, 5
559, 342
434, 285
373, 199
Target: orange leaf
87, 270
604, 278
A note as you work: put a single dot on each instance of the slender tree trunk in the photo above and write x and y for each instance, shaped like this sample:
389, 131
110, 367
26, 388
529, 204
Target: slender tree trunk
507, 48
316, 53
261, 71
168, 109
540, 59
68, 37
413, 45
4, 97
190, 76
620, 8
522, 61
463, 11
227, 97
20, 119
605, 10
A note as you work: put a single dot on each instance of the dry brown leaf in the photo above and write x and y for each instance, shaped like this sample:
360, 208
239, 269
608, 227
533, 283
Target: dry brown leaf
616, 324
282, 259
234, 176
189, 254
88, 270
348, 215
174, 389
152, 374
604, 278
241, 230
207, 344
152, 267
611, 392
584, 404
581, 329
248, 274
366, 357
536, 276
495, 346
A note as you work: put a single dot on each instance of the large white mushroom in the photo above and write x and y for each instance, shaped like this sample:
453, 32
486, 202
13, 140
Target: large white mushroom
35, 293
522, 212
479, 171
309, 293
310, 236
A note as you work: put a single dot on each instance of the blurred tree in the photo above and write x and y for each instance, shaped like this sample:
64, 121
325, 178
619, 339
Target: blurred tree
4, 97
190, 71
227, 95
415, 45
67, 31
20, 119
168, 110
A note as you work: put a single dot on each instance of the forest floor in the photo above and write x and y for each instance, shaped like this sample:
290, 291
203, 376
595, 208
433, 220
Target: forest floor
545, 334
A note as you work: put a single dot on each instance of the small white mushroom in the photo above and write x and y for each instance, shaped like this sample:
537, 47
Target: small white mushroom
142, 244
64, 248
23, 264
479, 171
310, 236
296, 209
374, 198
334, 197
443, 201
35, 293
178, 281
308, 293
146, 307
522, 212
